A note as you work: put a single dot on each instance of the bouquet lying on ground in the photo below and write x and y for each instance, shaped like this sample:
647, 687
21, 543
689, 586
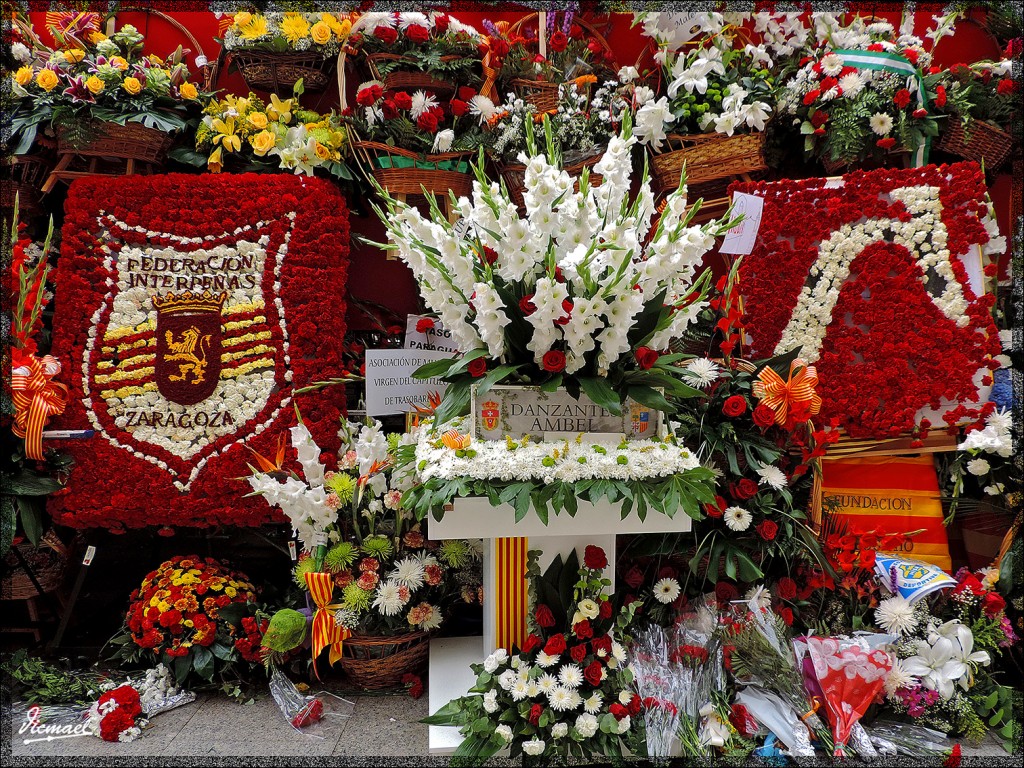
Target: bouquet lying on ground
567, 691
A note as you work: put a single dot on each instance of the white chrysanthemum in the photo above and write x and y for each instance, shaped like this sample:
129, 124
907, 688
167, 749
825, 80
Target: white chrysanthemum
702, 372
852, 84
547, 683
571, 676
896, 614
737, 518
482, 107
666, 590
443, 140
520, 690
978, 467
898, 678
545, 660
409, 572
422, 102
560, 699
618, 651
389, 599
773, 476
593, 703
880, 123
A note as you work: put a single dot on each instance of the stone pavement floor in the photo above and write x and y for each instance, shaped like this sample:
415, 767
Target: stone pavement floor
215, 726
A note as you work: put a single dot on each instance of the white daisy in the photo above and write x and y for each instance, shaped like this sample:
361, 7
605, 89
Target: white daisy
832, 65
409, 572
880, 123
702, 371
898, 678
737, 518
593, 703
560, 699
571, 675
547, 683
545, 660
666, 590
482, 107
759, 595
896, 614
978, 466
773, 476
422, 102
388, 601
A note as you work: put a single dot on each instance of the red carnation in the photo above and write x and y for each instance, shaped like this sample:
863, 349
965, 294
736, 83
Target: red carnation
829, 83
578, 652
424, 324
593, 673
594, 558
763, 416
876, 47
558, 41
811, 97
554, 361
785, 588
427, 122
634, 706
170, 618
385, 34
441, 22
911, 55
477, 367
403, 100
787, 616
531, 643
919, 113
902, 98
545, 618
526, 305
887, 143
499, 48
555, 645
743, 721
734, 406
466, 92
819, 118
618, 711
993, 603
417, 33
535, 711
583, 630
459, 107
646, 357
767, 529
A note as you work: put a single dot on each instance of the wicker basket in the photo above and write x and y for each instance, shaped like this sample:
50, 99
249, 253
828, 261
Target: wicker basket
380, 662
896, 158
982, 142
278, 72
708, 157
514, 176
48, 562
28, 172
403, 172
132, 141
408, 79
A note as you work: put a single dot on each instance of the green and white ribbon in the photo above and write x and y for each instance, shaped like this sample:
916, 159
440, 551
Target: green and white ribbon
897, 65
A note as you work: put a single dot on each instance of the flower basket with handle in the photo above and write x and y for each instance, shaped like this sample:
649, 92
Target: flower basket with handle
408, 79
277, 72
375, 663
708, 157
981, 141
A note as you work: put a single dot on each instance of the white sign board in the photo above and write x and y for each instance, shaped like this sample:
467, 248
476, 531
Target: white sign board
740, 239
438, 337
390, 387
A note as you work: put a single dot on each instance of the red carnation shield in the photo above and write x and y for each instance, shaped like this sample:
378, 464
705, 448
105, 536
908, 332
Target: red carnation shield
188, 345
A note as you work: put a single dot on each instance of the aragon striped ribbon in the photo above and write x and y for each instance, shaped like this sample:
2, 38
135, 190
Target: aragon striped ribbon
325, 631
897, 65
510, 593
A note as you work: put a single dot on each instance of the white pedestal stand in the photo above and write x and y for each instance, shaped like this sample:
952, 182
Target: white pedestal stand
471, 518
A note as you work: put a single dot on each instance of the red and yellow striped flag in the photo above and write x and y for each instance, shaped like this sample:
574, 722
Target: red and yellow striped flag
325, 631
510, 595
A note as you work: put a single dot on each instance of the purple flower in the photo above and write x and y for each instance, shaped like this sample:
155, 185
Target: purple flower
894, 584
491, 29
78, 92
570, 12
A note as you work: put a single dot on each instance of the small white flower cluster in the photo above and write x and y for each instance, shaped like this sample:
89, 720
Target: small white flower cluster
368, 22
547, 462
158, 691
995, 438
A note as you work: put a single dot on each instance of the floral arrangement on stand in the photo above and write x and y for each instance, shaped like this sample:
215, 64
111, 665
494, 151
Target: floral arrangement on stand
195, 615
565, 297
91, 79
567, 692
251, 134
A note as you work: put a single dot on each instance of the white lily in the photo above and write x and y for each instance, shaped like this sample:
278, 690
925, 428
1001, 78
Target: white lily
937, 666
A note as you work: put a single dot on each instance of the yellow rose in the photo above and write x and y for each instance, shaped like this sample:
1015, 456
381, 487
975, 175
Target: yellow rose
132, 85
47, 79
94, 84
242, 18
321, 33
344, 29
119, 62
23, 76
74, 55
322, 152
262, 142
258, 119
187, 90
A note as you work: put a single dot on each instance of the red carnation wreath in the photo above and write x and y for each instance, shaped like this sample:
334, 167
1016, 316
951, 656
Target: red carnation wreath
867, 276
189, 309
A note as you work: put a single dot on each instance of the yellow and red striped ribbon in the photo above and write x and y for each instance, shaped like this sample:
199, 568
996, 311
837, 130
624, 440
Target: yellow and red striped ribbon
325, 631
511, 596
36, 398
781, 395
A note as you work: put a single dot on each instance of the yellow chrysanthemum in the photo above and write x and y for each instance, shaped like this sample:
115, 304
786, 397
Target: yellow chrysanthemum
294, 27
257, 27
23, 76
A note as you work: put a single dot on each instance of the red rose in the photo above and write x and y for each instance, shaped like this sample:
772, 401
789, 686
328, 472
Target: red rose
594, 558
646, 357
787, 616
618, 710
427, 122
887, 143
558, 41
424, 324
767, 530
819, 119
593, 673
531, 643
441, 22
459, 107
919, 113
389, 109
764, 416
555, 645
385, 34
554, 361
544, 617
725, 591
526, 305
993, 603
1005, 86
535, 711
746, 489
575, 31
578, 652
567, 308
634, 706
478, 367
902, 98
490, 256
603, 643
583, 630
367, 97
466, 92
717, 509
634, 577
785, 588
594, 47
606, 609
734, 406
403, 100
417, 34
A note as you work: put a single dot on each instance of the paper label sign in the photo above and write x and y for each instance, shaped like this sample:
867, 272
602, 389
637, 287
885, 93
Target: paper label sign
438, 337
390, 387
913, 579
740, 239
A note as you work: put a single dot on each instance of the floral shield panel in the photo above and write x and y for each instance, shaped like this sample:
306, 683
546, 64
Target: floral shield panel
189, 311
